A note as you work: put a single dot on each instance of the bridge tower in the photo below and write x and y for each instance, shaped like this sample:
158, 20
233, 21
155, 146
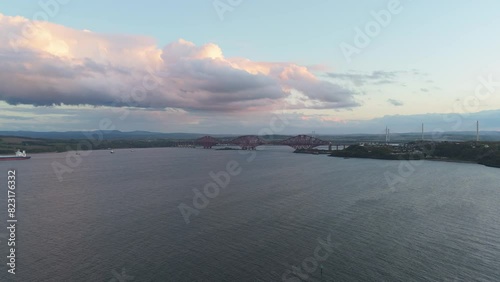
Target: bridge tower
207, 142
248, 142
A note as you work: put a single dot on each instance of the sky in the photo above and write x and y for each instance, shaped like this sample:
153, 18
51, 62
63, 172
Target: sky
241, 67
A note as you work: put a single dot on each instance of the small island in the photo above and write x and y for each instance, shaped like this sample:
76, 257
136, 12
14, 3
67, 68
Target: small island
485, 153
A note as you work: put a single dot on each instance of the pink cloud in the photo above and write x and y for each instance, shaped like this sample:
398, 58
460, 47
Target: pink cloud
48, 64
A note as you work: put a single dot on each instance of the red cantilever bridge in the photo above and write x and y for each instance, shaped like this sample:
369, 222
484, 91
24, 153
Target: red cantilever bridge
250, 142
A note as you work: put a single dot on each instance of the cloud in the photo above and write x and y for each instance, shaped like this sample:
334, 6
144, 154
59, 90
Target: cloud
56, 65
375, 77
174, 120
395, 102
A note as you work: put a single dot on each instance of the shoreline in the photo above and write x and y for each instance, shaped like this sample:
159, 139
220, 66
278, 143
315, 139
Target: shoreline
318, 152
427, 159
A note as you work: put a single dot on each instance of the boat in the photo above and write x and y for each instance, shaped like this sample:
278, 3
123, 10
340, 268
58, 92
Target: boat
17, 157
112, 152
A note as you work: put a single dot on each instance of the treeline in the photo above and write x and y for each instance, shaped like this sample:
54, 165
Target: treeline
51, 146
469, 151
492, 159
125, 144
486, 153
374, 152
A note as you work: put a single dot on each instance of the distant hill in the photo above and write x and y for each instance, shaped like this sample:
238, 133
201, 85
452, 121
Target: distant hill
144, 135
406, 137
107, 135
